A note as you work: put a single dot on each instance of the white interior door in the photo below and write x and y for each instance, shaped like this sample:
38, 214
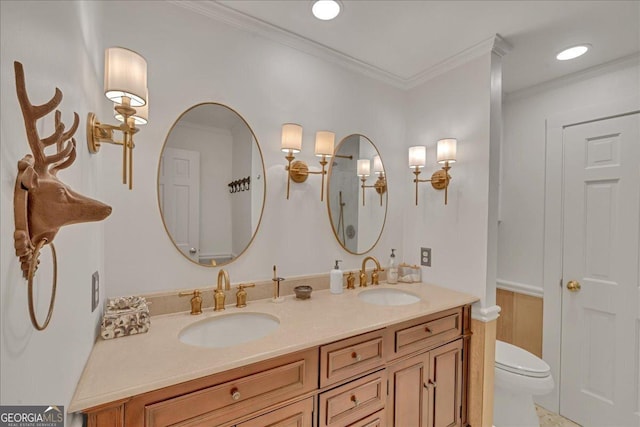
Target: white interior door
179, 183
600, 372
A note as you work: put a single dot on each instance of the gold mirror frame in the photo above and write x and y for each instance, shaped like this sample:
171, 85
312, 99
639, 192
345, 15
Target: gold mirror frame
329, 174
264, 184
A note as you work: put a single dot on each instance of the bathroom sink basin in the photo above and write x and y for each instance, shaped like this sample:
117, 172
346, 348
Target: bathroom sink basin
387, 296
229, 330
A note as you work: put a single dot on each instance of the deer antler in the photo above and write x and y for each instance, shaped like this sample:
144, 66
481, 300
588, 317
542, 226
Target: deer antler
31, 114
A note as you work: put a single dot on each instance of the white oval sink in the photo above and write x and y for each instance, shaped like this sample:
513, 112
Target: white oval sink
385, 296
229, 330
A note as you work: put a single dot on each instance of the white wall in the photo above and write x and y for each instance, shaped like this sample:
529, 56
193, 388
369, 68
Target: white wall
521, 232
456, 104
57, 42
268, 84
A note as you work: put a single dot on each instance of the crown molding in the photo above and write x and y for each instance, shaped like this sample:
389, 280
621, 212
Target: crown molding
607, 67
242, 21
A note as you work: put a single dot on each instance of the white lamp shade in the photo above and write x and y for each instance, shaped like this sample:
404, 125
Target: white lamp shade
325, 141
364, 167
125, 74
417, 156
377, 165
291, 137
141, 117
447, 150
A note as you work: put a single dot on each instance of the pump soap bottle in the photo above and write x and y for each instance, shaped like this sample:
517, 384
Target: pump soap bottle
392, 272
335, 279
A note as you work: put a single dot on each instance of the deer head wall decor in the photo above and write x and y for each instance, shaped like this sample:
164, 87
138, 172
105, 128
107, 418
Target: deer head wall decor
43, 203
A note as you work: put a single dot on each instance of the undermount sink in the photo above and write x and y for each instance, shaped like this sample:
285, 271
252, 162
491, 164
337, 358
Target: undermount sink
385, 296
229, 330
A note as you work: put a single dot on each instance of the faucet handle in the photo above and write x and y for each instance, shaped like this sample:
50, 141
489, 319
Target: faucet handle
241, 295
196, 301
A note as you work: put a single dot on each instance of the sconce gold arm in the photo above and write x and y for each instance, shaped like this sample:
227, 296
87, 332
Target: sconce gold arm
298, 172
380, 186
439, 180
98, 132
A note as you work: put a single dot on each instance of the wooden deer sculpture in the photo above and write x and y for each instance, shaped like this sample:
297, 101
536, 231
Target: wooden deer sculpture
43, 203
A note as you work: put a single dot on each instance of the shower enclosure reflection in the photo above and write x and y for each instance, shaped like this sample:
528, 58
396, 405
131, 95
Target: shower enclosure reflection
357, 223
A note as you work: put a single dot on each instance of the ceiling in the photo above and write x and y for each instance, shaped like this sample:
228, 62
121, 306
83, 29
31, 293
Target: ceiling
403, 40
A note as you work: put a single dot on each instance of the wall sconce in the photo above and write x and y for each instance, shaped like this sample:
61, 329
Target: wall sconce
125, 84
446, 153
298, 171
364, 170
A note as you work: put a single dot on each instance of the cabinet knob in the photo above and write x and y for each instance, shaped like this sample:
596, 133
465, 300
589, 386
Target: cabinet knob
427, 330
235, 394
355, 400
430, 383
356, 356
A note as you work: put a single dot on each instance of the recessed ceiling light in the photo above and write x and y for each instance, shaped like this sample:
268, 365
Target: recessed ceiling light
573, 52
325, 9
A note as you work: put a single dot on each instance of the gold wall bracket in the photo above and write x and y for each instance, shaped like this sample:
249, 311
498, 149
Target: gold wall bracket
298, 172
380, 186
439, 181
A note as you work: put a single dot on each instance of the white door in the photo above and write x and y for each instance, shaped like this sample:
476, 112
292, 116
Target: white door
179, 183
600, 370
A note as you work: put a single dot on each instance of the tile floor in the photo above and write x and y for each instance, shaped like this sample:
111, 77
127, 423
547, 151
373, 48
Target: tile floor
549, 419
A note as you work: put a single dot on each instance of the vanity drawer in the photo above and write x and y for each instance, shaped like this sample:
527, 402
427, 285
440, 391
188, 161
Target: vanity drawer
344, 405
239, 397
374, 420
344, 359
426, 332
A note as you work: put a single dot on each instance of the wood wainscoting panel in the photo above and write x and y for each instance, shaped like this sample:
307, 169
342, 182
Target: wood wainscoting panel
481, 373
520, 321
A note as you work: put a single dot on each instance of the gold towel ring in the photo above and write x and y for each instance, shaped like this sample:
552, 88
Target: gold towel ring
32, 268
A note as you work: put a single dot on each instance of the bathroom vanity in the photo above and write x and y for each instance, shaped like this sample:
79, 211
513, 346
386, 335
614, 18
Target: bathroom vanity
333, 361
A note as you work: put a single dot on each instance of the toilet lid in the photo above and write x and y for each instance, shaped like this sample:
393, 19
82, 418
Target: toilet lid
519, 361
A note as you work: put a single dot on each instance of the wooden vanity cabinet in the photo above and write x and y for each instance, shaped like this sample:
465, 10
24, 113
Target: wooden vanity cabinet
409, 374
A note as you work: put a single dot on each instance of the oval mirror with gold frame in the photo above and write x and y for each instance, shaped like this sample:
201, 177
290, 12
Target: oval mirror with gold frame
211, 184
357, 194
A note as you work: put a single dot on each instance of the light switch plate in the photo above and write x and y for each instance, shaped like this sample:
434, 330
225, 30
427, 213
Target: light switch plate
95, 290
425, 257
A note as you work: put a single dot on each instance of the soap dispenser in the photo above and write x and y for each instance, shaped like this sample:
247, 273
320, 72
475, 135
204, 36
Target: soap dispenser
392, 272
335, 279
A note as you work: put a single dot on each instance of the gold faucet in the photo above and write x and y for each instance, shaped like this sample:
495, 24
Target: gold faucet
241, 295
374, 275
218, 295
351, 280
196, 301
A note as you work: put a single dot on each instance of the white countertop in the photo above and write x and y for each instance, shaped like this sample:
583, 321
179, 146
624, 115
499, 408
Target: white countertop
128, 366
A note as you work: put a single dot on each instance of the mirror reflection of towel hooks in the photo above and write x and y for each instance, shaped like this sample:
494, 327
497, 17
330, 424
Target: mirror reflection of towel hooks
239, 185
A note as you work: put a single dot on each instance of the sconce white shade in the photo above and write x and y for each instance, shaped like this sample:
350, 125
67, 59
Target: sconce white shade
141, 117
377, 165
291, 137
125, 74
447, 149
364, 167
417, 156
325, 141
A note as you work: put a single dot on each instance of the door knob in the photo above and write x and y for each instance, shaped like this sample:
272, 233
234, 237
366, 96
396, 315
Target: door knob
573, 286
192, 251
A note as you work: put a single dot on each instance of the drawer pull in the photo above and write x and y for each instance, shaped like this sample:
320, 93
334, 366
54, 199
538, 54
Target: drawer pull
356, 356
235, 394
355, 400
427, 330
430, 383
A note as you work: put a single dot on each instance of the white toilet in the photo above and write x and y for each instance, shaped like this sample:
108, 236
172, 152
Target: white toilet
519, 375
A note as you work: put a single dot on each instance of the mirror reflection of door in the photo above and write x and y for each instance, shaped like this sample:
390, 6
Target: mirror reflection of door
179, 181
213, 222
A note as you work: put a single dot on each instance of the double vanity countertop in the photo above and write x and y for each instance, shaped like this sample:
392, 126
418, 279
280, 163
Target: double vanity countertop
128, 366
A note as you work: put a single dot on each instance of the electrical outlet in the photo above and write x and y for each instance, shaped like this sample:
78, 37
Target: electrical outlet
425, 257
95, 291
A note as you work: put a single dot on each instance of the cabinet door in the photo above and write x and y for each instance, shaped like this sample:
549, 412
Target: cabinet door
407, 403
445, 385
298, 414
